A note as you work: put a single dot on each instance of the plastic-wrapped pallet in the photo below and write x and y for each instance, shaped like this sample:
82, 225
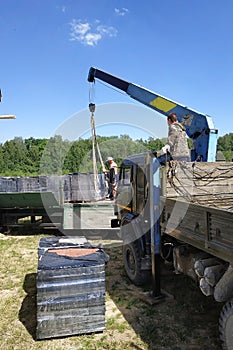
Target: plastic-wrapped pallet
55, 184
28, 184
8, 184
70, 288
83, 187
103, 188
66, 188
43, 183
47, 243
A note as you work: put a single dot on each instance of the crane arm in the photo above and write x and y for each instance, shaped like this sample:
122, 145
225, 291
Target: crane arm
199, 126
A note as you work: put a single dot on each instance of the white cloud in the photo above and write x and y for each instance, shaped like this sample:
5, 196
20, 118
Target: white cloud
91, 39
79, 29
90, 34
104, 30
61, 8
121, 12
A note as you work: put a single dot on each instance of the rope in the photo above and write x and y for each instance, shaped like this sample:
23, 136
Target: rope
95, 145
203, 178
94, 138
95, 170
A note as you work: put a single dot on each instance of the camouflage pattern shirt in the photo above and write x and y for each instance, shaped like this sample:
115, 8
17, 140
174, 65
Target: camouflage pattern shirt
177, 140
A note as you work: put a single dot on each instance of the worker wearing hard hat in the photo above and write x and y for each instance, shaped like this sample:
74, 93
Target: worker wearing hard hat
112, 177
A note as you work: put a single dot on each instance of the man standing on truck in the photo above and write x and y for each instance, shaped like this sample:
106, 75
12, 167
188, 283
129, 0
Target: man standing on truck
177, 143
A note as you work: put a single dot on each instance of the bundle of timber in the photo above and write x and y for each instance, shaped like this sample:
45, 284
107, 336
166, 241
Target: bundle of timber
70, 287
204, 183
214, 275
209, 270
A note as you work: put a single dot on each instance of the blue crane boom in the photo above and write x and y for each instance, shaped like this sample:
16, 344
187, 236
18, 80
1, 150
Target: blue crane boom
199, 126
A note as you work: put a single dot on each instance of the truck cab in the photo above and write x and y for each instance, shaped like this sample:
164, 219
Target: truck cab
137, 216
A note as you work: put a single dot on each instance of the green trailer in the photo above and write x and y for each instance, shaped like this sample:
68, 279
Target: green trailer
29, 209
32, 211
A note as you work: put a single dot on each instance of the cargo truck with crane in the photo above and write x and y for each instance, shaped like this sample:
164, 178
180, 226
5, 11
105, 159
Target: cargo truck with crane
179, 212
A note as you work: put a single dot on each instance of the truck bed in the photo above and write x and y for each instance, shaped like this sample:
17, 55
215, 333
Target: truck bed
197, 207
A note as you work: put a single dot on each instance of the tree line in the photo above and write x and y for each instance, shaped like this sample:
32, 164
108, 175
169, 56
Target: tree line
31, 157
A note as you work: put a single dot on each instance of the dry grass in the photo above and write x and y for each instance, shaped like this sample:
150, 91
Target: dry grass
189, 322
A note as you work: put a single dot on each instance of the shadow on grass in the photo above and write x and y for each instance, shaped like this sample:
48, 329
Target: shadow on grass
27, 312
190, 321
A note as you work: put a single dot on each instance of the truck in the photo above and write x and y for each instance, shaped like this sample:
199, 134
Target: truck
178, 212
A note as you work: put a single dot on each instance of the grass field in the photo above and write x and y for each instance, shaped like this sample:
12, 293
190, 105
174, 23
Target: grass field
189, 321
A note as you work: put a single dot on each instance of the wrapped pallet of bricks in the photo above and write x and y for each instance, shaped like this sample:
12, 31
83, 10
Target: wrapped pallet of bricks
55, 184
43, 183
8, 184
83, 188
67, 188
70, 288
28, 184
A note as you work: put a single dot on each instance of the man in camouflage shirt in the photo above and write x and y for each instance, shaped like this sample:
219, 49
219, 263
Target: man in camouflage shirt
177, 142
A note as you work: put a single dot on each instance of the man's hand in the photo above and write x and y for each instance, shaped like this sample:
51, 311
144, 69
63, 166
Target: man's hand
165, 149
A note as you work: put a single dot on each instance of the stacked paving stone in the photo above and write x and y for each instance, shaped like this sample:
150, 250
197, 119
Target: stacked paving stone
8, 184
82, 187
73, 187
70, 287
28, 184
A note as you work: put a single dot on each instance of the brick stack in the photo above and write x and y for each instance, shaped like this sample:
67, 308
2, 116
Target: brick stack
70, 288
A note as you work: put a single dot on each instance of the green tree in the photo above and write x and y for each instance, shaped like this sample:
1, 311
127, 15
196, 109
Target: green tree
1, 159
225, 144
78, 158
14, 155
35, 148
154, 144
53, 157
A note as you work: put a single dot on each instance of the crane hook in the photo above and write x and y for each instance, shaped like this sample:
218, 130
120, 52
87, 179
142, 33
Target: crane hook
92, 107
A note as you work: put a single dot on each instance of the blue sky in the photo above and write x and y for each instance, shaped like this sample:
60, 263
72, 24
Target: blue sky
181, 49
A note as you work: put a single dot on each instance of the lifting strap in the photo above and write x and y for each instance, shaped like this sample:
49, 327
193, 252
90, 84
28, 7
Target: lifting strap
95, 146
94, 138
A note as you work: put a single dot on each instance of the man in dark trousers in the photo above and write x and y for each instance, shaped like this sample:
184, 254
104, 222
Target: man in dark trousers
113, 178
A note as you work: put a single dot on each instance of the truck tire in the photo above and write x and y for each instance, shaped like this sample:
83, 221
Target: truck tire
132, 264
226, 325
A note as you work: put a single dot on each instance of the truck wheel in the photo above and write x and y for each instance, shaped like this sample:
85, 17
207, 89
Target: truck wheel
132, 263
226, 325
